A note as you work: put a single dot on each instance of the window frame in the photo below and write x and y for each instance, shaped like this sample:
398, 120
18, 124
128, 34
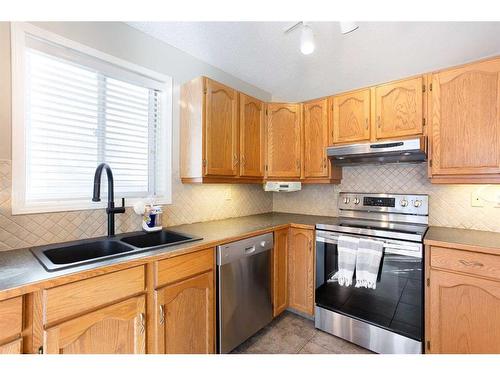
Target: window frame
19, 31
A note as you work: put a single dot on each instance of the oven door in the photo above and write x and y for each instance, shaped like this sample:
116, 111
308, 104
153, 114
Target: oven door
395, 304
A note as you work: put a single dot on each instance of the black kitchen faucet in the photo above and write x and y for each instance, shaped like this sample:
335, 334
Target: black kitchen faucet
111, 210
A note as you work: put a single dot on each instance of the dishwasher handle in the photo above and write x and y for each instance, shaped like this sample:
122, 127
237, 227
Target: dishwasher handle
233, 251
250, 249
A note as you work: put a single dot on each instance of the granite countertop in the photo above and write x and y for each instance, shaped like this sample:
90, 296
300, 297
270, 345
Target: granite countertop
20, 269
467, 239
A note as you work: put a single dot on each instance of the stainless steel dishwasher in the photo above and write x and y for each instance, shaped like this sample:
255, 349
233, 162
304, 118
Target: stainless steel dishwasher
243, 290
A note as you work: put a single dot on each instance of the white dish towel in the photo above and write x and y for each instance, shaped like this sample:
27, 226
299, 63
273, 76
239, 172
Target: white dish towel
368, 262
347, 249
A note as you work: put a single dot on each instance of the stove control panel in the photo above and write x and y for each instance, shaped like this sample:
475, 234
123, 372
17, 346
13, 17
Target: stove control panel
412, 204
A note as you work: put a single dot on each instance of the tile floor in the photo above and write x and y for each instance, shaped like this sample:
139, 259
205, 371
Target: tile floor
293, 334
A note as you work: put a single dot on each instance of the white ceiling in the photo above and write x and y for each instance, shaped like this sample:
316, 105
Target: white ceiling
262, 55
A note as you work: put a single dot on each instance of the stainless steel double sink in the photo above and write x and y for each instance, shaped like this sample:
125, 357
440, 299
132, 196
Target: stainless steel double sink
73, 254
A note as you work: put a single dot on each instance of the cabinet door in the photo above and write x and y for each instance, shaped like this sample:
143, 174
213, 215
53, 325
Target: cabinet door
283, 140
301, 270
251, 137
186, 318
116, 329
399, 108
464, 314
315, 138
465, 133
351, 117
221, 130
280, 271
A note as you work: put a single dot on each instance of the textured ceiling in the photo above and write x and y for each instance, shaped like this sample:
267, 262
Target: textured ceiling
261, 54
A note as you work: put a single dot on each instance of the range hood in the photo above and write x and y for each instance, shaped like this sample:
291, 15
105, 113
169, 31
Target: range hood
403, 151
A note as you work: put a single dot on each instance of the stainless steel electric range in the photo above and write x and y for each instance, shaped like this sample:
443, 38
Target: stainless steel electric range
388, 319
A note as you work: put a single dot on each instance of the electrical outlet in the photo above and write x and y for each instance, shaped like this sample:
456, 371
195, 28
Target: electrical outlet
228, 194
476, 200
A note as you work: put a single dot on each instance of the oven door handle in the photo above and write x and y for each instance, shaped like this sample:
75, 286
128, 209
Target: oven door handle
389, 247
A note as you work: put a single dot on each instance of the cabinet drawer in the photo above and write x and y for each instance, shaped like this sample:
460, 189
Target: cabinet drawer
467, 262
11, 318
183, 266
81, 296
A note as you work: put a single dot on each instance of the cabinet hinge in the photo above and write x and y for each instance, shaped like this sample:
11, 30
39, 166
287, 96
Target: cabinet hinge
430, 87
430, 163
205, 91
423, 88
204, 163
266, 112
428, 282
428, 345
423, 121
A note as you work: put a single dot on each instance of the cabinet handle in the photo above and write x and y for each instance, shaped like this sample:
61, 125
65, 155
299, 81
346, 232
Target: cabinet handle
366, 123
324, 163
471, 263
40, 350
142, 323
310, 246
297, 163
242, 160
378, 121
162, 314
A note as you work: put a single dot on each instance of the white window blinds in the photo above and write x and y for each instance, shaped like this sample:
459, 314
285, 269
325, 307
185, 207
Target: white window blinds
78, 115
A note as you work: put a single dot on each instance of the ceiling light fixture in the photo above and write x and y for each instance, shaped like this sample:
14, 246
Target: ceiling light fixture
307, 40
347, 27
307, 45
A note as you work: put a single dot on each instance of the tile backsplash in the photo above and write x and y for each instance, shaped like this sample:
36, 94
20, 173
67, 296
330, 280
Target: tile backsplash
449, 205
192, 203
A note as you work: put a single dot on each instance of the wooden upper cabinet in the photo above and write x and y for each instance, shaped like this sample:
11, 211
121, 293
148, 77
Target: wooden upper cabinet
221, 130
186, 316
116, 329
316, 138
280, 271
283, 140
252, 119
351, 117
465, 127
399, 108
301, 270
464, 314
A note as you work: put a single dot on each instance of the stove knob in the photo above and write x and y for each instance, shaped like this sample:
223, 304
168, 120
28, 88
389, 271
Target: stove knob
346, 200
356, 200
403, 203
417, 203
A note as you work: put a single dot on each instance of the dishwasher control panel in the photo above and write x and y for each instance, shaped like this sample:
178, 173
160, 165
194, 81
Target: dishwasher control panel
233, 251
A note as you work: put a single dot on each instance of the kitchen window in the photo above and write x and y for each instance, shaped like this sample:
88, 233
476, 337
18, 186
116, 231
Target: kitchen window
74, 108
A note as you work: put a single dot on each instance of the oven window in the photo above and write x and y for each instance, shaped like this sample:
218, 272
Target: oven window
396, 303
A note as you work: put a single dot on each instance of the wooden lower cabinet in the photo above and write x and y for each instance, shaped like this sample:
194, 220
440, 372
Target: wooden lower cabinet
186, 316
116, 329
11, 325
280, 271
301, 270
462, 309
